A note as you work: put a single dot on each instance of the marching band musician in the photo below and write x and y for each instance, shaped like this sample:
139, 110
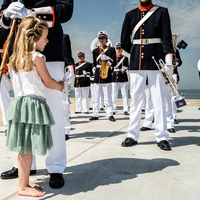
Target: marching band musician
109, 59
150, 38
55, 13
4, 84
83, 71
120, 77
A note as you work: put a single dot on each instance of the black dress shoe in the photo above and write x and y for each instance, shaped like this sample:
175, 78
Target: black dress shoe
199, 108
145, 129
86, 112
101, 109
128, 142
90, 108
143, 110
126, 113
13, 173
175, 121
164, 145
66, 137
70, 117
171, 130
114, 113
112, 119
77, 113
93, 118
56, 180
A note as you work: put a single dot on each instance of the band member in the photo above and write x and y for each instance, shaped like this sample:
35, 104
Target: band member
120, 77
150, 37
104, 59
54, 13
4, 85
83, 71
69, 75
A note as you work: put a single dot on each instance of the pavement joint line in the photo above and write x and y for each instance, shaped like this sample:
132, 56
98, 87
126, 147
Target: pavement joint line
14, 194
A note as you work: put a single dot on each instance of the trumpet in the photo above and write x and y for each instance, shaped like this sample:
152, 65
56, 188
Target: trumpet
179, 99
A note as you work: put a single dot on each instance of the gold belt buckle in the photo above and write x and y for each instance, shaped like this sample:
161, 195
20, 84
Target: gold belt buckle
144, 41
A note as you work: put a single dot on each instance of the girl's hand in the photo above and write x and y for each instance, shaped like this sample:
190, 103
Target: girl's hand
62, 85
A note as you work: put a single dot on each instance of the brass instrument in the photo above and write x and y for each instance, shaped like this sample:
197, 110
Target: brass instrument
104, 66
179, 99
174, 41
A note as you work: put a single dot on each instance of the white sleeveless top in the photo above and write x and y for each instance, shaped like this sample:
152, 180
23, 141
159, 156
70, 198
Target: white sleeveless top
28, 83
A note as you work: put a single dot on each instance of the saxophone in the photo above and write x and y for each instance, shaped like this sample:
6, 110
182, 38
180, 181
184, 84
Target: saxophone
104, 66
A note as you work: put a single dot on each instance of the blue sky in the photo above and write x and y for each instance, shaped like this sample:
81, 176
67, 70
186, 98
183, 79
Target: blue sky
91, 16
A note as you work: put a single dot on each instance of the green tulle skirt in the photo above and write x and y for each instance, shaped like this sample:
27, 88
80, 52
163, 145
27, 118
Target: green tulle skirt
29, 122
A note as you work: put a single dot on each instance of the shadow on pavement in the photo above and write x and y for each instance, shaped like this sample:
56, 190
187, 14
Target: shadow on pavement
86, 177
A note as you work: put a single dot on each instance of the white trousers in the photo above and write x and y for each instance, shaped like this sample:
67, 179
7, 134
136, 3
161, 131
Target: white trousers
168, 102
107, 90
4, 98
124, 91
174, 108
149, 111
101, 98
82, 95
157, 89
56, 157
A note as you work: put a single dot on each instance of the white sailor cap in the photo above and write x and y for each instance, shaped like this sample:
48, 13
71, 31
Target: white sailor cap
118, 45
102, 34
80, 53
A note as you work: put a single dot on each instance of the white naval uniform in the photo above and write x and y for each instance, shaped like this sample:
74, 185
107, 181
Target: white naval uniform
157, 89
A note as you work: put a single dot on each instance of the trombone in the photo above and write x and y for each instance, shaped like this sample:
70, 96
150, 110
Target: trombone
170, 81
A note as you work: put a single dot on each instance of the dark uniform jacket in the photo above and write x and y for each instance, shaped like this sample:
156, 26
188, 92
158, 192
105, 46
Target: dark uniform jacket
67, 51
54, 12
112, 54
82, 81
157, 26
179, 64
120, 76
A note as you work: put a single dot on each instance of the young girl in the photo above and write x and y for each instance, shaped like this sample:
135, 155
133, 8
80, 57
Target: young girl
29, 117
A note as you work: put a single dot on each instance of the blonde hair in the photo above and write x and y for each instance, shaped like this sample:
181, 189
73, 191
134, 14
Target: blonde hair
29, 31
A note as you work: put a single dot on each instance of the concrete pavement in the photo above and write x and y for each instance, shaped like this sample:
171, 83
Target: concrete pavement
98, 168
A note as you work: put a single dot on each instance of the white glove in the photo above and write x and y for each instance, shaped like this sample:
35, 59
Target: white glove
105, 57
84, 72
23, 14
13, 9
124, 68
169, 70
93, 70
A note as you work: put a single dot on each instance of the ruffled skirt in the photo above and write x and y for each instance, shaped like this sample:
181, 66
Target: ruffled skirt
29, 122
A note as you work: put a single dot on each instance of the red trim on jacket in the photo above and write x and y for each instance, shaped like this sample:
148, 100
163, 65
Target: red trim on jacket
53, 16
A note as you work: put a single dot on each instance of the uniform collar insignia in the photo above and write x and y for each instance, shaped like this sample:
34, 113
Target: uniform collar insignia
145, 8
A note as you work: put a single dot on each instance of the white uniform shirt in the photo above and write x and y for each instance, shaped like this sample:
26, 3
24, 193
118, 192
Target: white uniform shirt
28, 83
